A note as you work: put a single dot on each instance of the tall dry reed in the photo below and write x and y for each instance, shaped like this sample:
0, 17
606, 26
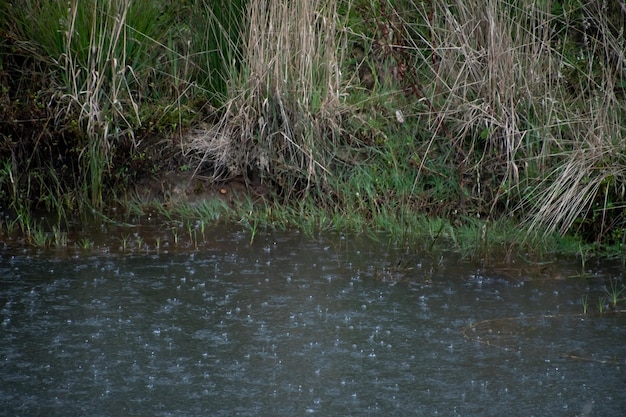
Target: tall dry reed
584, 191
93, 57
283, 115
490, 68
99, 87
505, 78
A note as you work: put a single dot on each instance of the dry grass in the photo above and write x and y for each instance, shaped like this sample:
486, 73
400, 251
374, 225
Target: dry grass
589, 183
487, 73
585, 188
283, 114
99, 88
92, 55
500, 80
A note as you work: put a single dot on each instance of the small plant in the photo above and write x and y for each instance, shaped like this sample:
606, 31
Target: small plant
585, 302
24, 220
601, 305
124, 240
175, 232
193, 234
253, 230
38, 237
10, 225
614, 293
157, 244
59, 238
583, 253
85, 243
190, 230
202, 228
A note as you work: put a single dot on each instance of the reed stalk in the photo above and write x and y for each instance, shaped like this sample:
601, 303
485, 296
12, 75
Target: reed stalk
523, 98
282, 117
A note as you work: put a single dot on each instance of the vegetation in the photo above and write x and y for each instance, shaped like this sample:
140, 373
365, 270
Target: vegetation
456, 121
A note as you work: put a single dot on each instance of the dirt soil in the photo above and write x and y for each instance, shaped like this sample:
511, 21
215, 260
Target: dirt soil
176, 187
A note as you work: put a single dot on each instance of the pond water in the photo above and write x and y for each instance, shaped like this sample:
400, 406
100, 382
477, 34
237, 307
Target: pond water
291, 326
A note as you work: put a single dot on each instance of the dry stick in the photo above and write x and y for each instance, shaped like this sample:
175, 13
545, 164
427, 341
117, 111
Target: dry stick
431, 19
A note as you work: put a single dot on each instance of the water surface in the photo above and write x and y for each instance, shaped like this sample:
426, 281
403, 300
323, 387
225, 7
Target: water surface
293, 326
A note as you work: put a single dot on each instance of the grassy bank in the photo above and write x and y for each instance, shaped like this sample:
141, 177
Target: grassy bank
480, 125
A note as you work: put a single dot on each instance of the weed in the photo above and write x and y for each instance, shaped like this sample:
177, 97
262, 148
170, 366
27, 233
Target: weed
601, 305
191, 232
614, 293
85, 243
38, 237
124, 240
59, 238
209, 211
583, 254
175, 232
8, 176
253, 230
202, 227
10, 225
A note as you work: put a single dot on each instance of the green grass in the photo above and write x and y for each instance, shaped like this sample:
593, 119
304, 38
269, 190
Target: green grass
59, 238
124, 242
615, 293
404, 119
107, 75
85, 244
38, 237
585, 303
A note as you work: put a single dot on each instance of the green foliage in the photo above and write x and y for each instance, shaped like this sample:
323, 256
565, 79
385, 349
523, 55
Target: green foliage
92, 87
445, 120
204, 46
615, 293
93, 55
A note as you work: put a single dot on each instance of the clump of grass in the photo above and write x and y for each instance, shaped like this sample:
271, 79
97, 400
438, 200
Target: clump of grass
38, 237
10, 226
85, 243
614, 293
96, 54
585, 303
209, 211
503, 98
282, 116
486, 85
124, 241
582, 190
